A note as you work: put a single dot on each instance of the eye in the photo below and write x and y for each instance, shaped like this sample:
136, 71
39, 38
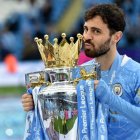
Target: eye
96, 31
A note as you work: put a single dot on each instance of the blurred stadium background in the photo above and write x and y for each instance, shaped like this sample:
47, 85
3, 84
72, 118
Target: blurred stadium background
20, 22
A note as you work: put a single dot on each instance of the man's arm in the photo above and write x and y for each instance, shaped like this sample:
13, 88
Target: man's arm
105, 95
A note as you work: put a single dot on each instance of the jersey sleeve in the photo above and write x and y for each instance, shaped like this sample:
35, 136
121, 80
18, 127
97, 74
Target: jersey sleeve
105, 95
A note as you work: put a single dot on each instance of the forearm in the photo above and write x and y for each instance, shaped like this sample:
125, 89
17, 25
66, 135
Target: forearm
105, 96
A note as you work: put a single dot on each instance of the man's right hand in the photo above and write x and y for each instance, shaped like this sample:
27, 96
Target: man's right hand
27, 102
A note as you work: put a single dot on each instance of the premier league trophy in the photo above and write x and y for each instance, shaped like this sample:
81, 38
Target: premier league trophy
55, 87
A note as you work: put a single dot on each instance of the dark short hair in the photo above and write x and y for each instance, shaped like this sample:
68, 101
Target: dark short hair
111, 15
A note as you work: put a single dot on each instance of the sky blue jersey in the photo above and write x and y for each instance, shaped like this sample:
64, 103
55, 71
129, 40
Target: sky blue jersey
119, 89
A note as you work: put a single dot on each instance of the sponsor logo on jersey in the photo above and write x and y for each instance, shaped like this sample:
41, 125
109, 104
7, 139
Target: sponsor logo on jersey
117, 89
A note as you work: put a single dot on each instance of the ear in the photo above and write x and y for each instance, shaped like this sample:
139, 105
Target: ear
117, 36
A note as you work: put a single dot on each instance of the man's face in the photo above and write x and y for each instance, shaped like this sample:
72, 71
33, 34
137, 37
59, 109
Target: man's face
96, 36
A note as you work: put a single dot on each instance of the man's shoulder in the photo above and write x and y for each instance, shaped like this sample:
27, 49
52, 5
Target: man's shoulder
130, 65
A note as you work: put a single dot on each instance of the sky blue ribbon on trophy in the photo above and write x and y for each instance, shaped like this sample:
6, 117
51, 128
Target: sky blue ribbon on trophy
83, 121
91, 114
34, 129
89, 89
102, 122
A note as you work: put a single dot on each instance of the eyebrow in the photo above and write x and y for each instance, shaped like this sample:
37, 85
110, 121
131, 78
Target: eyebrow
93, 28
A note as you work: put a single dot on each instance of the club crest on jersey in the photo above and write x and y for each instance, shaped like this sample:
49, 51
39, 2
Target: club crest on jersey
117, 89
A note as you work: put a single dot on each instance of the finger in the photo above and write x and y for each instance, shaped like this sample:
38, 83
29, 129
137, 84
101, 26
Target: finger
25, 95
26, 100
26, 104
96, 83
28, 109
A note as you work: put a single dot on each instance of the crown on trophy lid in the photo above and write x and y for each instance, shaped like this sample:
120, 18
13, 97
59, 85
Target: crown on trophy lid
59, 55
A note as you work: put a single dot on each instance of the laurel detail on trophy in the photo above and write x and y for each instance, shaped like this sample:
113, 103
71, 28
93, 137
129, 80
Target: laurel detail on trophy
59, 55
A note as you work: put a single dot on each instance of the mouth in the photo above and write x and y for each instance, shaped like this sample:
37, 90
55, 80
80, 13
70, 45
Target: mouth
88, 46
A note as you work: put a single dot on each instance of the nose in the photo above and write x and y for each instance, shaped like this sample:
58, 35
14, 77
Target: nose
87, 36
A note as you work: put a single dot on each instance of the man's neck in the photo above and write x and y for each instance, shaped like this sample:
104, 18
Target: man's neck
106, 60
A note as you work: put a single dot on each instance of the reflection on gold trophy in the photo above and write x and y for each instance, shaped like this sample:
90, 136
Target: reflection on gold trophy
59, 55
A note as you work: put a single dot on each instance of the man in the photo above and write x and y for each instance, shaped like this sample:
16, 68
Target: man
119, 87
